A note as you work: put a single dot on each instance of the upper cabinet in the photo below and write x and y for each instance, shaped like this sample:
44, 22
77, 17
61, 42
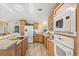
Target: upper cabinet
21, 27
35, 26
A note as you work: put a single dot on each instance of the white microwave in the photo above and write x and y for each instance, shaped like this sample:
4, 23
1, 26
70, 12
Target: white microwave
65, 22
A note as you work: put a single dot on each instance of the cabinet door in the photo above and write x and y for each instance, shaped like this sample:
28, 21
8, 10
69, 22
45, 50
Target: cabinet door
24, 46
35, 38
45, 41
51, 48
19, 50
40, 38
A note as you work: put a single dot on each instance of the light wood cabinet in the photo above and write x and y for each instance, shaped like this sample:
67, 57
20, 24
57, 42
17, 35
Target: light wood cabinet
19, 49
25, 47
50, 47
21, 27
22, 47
35, 26
35, 38
38, 38
76, 41
45, 41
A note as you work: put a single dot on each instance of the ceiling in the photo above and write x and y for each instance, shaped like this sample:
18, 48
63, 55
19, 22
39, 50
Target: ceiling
32, 12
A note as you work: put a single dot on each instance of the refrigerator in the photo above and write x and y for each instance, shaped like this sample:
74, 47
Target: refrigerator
29, 33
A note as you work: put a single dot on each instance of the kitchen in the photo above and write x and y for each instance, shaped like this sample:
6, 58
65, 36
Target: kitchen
39, 29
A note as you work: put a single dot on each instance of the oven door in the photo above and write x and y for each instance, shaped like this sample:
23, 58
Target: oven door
61, 50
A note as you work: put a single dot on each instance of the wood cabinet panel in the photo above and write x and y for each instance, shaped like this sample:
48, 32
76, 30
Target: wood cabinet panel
19, 49
50, 47
35, 26
35, 38
76, 42
22, 47
40, 38
25, 47
45, 41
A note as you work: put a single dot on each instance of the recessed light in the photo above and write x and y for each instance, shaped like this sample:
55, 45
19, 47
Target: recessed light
40, 9
19, 7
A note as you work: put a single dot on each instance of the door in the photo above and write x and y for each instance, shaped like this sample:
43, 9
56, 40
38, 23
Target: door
29, 33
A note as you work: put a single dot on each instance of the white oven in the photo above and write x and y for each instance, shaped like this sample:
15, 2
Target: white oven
64, 46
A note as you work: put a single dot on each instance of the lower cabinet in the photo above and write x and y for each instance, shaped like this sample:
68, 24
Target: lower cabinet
38, 38
25, 47
35, 38
21, 48
45, 41
50, 47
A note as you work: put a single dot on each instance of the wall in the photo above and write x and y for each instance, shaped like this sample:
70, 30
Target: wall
3, 26
43, 25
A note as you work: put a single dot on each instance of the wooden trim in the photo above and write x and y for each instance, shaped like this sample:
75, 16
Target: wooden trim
75, 46
65, 35
57, 7
76, 41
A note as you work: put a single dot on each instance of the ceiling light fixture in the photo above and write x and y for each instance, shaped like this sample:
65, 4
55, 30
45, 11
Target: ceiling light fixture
39, 9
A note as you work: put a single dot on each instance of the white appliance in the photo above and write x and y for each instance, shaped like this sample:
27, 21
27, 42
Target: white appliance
65, 22
64, 46
29, 33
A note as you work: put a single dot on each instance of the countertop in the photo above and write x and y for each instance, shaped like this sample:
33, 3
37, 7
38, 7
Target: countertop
6, 36
5, 44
